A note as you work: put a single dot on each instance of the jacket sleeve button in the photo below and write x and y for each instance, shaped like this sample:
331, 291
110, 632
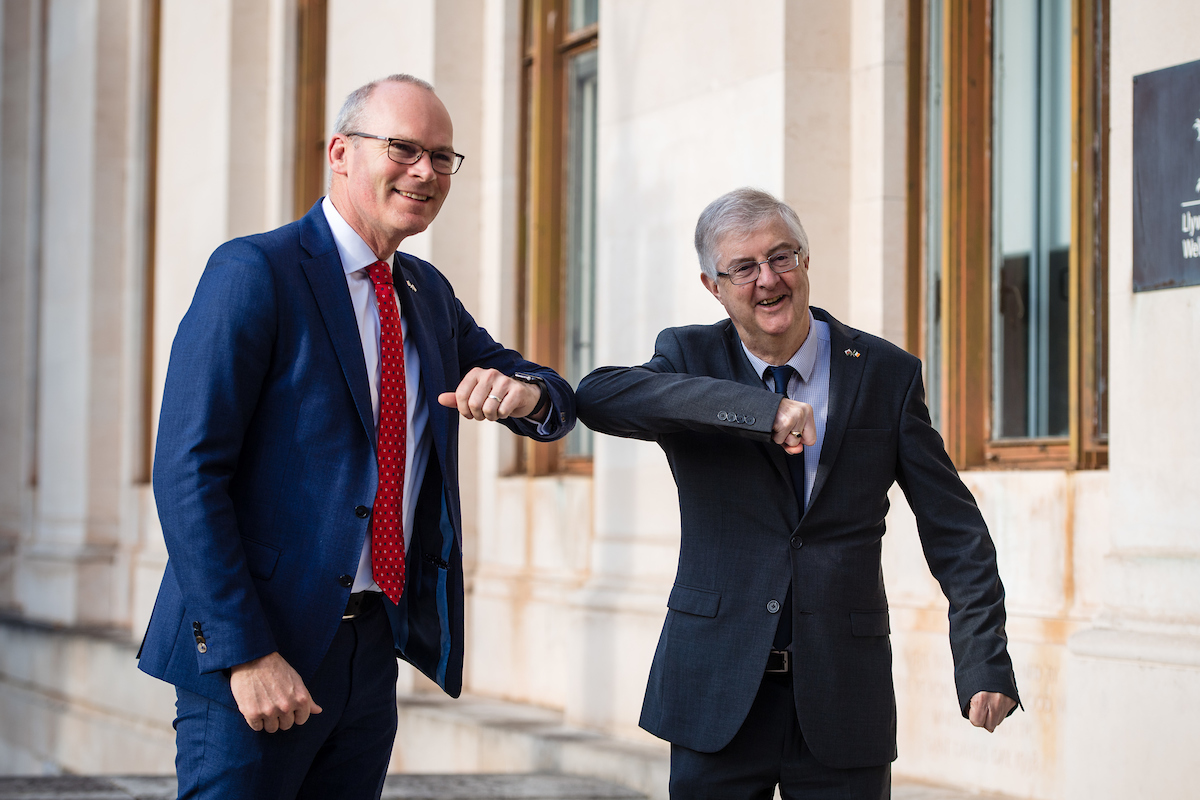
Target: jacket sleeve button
202, 648
362, 512
346, 581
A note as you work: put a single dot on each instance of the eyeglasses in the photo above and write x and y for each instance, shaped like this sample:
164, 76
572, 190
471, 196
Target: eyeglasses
747, 271
445, 162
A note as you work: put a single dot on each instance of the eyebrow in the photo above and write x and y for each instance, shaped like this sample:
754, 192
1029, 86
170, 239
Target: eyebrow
785, 244
448, 147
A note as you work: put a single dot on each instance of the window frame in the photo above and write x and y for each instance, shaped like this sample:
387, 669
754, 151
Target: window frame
547, 49
966, 236
308, 155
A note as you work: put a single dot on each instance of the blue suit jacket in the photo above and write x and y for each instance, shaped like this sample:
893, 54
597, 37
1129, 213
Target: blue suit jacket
743, 540
265, 463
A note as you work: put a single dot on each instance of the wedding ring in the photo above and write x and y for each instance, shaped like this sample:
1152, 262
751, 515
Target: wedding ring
796, 434
493, 397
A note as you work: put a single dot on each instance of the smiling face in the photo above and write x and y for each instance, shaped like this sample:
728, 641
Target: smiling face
770, 314
385, 202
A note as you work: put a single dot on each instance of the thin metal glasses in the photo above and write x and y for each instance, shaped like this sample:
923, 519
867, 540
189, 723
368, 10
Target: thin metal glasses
402, 151
748, 271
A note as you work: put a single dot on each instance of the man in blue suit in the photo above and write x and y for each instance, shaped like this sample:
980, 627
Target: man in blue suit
785, 430
306, 471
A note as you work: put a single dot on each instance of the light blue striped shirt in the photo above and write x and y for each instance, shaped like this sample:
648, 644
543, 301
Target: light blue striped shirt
809, 385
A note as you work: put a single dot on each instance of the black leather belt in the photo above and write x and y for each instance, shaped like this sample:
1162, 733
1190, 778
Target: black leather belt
779, 661
360, 603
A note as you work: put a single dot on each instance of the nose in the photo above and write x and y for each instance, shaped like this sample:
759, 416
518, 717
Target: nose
423, 166
767, 277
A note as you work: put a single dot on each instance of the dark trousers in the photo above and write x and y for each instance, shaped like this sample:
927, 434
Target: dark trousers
769, 750
343, 752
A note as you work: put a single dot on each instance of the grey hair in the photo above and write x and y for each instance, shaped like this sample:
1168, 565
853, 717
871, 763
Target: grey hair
349, 119
742, 211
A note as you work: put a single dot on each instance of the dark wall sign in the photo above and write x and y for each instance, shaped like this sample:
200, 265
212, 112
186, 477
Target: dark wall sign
1166, 178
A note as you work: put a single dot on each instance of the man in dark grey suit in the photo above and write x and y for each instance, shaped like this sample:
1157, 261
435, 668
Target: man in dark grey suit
784, 430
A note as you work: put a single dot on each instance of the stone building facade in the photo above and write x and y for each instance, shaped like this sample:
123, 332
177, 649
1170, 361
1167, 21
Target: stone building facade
137, 135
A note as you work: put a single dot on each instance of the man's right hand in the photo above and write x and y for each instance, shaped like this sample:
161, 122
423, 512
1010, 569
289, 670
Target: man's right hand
792, 418
270, 694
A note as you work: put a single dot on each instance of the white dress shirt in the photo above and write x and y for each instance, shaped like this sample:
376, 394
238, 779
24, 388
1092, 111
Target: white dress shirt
356, 257
809, 385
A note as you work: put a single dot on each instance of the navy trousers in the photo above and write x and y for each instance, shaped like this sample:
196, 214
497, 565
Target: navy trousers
769, 750
343, 752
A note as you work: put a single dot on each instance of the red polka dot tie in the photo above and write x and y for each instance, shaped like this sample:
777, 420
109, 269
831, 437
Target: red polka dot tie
387, 520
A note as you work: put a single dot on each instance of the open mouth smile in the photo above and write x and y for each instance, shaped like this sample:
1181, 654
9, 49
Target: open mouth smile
420, 198
773, 301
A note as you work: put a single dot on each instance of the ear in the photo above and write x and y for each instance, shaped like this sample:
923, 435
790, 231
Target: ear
711, 285
338, 144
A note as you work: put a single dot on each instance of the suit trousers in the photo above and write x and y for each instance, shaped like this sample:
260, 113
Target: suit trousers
343, 752
769, 751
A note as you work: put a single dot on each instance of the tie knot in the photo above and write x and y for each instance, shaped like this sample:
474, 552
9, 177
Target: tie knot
381, 273
780, 377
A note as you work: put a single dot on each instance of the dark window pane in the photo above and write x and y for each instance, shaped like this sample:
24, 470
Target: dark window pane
581, 231
584, 13
1030, 331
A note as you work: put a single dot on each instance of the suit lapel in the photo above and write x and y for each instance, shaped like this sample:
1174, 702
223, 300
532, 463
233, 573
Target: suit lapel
420, 330
845, 375
327, 279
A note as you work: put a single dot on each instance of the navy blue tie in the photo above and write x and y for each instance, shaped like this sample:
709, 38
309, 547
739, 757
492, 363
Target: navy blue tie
781, 376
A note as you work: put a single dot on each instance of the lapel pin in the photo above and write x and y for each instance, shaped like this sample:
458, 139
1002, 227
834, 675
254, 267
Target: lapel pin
410, 285
854, 353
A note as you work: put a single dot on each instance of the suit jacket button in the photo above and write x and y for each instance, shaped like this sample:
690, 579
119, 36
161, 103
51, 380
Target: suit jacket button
797, 542
362, 512
202, 648
722, 415
773, 606
749, 420
346, 581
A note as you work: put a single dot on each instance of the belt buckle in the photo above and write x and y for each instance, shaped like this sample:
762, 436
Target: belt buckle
354, 606
782, 655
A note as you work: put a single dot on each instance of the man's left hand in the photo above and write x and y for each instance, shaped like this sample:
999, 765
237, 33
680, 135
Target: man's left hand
490, 394
988, 709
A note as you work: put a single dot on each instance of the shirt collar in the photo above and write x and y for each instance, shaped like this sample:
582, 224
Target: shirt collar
355, 253
803, 360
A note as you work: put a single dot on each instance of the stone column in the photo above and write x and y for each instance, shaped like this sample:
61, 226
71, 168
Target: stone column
70, 571
225, 140
1134, 676
878, 131
20, 184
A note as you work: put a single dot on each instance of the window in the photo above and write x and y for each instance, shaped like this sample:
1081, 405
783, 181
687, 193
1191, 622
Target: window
309, 157
1007, 274
558, 198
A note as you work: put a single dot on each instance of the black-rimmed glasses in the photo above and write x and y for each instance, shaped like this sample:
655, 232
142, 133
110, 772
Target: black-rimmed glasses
405, 152
748, 271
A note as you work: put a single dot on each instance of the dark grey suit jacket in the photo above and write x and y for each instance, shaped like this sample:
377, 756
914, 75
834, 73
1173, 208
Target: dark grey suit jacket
743, 540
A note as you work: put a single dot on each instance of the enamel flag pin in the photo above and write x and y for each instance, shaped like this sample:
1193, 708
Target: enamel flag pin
854, 353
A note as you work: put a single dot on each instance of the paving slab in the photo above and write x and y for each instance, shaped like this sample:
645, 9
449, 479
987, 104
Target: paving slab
534, 786
396, 787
